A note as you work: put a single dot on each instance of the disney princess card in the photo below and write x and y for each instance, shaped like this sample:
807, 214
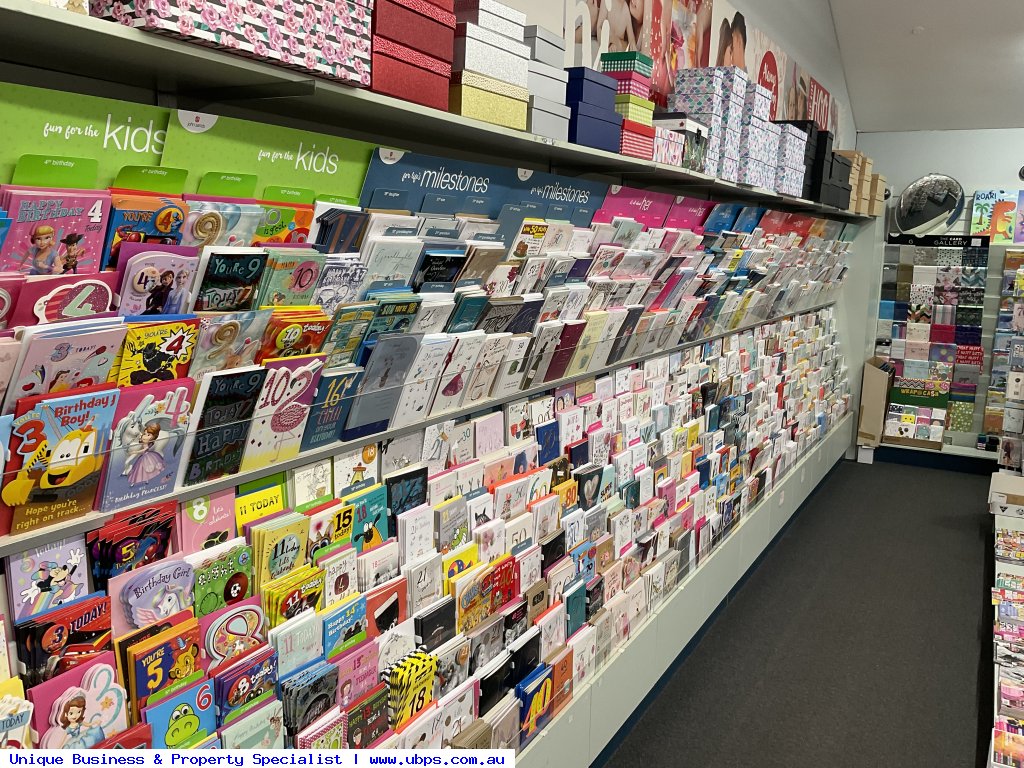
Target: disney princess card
80, 708
150, 423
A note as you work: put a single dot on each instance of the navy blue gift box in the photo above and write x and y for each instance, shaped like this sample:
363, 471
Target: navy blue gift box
593, 121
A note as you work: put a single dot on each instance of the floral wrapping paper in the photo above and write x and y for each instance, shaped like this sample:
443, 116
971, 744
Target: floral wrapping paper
323, 37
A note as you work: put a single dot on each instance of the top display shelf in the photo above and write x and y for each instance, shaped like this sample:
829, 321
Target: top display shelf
205, 79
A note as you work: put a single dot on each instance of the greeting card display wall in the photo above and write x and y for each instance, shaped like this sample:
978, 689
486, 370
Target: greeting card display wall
930, 326
1006, 502
417, 486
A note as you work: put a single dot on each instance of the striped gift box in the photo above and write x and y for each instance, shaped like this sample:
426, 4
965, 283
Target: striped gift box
637, 146
637, 140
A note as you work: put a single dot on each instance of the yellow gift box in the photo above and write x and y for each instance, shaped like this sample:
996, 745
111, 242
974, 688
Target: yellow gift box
484, 98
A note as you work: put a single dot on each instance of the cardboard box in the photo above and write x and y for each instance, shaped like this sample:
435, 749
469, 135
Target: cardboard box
488, 53
595, 127
874, 395
878, 184
407, 74
545, 46
548, 118
483, 98
631, 84
492, 15
416, 24
635, 109
547, 82
590, 87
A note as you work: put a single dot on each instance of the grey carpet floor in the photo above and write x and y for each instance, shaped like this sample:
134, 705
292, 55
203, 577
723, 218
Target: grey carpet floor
857, 642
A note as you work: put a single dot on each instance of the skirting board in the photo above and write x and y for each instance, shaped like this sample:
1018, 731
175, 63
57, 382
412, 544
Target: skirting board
579, 733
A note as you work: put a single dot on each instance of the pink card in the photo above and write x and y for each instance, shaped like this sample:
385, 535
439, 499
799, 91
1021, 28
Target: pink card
649, 208
357, 672
689, 213
55, 231
150, 594
10, 291
232, 631
61, 298
206, 521
81, 707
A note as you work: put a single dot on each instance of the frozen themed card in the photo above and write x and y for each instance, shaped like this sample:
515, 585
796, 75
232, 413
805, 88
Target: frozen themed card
149, 434
155, 280
81, 707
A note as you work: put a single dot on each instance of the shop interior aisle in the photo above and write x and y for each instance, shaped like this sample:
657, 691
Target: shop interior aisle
857, 642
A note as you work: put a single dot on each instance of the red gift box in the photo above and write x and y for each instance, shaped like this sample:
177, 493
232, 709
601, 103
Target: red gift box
632, 126
411, 75
637, 140
416, 24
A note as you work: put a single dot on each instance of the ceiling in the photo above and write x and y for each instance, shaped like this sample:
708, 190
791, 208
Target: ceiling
932, 64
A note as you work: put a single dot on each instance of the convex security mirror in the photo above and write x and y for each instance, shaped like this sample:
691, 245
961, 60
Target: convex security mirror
929, 206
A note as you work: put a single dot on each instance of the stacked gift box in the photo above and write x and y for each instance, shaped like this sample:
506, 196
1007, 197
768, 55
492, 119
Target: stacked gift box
593, 121
547, 114
330, 39
789, 173
868, 190
632, 74
680, 133
715, 96
412, 50
491, 66
759, 139
827, 175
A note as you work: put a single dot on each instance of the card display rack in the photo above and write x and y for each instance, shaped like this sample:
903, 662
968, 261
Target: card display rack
16, 543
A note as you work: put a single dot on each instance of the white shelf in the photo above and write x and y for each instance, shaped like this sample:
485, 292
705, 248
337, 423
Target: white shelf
18, 543
947, 449
206, 79
599, 710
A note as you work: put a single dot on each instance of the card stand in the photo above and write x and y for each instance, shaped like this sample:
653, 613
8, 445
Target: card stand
707, 331
627, 667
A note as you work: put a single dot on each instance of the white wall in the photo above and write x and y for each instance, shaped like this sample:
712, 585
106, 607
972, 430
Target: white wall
982, 159
803, 28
